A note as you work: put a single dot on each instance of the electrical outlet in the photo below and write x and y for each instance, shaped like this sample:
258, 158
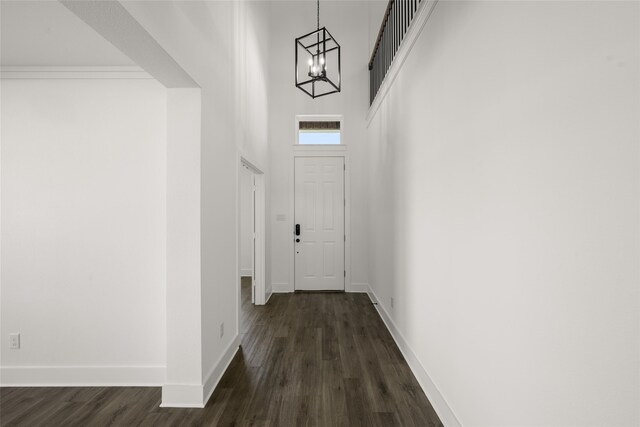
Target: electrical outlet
391, 302
221, 329
14, 341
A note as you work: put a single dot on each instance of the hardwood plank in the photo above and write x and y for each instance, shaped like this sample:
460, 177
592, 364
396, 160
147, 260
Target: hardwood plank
308, 359
19, 409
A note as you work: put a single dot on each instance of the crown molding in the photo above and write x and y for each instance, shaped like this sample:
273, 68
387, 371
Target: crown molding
78, 72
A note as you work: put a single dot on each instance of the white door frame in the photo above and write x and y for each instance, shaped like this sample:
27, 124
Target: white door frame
259, 239
321, 151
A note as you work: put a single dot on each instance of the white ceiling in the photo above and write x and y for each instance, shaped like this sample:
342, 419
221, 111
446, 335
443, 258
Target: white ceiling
45, 33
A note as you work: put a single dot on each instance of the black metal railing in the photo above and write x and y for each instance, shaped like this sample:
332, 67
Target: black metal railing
395, 24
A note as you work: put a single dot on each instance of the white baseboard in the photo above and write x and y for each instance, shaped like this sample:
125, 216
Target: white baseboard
182, 396
281, 288
215, 374
359, 288
285, 288
246, 272
82, 376
269, 293
438, 402
196, 395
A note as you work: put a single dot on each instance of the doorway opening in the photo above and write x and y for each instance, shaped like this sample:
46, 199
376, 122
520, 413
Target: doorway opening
247, 227
251, 242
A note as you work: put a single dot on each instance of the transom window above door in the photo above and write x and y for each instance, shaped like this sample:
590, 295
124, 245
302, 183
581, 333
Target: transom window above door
319, 130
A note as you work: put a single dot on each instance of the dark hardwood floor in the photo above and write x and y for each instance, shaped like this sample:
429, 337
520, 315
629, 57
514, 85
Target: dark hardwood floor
312, 359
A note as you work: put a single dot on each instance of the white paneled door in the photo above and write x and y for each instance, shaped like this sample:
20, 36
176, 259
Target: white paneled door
319, 224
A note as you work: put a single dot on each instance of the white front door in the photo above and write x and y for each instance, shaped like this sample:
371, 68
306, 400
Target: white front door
319, 223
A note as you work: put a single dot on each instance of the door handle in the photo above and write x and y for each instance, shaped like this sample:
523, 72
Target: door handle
297, 229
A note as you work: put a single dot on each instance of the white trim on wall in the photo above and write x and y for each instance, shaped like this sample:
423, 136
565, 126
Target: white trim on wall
417, 25
82, 376
246, 272
436, 399
213, 377
259, 212
360, 288
281, 288
51, 72
182, 396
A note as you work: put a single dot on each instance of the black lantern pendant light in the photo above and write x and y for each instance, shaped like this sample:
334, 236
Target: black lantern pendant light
318, 62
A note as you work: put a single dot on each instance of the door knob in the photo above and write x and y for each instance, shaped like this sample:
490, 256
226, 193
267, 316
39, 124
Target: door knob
297, 240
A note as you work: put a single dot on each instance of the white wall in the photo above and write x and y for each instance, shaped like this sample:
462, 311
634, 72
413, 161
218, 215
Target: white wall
45, 33
210, 41
183, 292
83, 230
246, 222
504, 186
348, 22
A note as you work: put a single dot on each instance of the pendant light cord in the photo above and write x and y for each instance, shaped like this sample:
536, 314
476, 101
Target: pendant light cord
318, 14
